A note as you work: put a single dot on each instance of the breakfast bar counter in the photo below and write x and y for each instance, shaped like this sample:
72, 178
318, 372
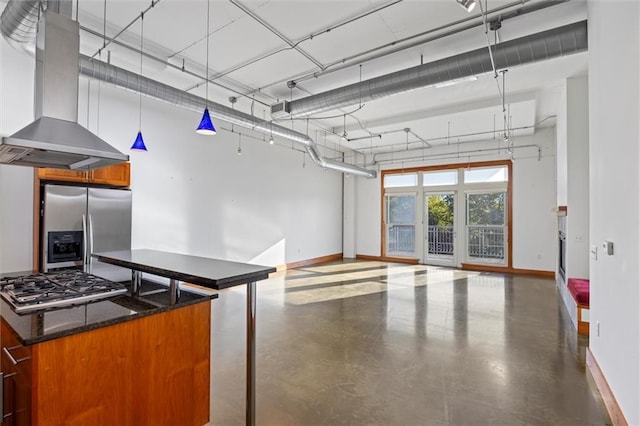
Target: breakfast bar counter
212, 273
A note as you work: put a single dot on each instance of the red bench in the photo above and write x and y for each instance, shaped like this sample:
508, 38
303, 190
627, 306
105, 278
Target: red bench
579, 289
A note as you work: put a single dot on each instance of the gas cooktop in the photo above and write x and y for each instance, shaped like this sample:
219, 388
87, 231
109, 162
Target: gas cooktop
56, 289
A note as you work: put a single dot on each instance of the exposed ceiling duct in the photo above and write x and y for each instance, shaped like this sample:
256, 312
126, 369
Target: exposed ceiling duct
545, 45
108, 73
19, 20
20, 25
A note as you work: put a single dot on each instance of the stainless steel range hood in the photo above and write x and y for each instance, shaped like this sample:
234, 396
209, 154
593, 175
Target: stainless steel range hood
55, 139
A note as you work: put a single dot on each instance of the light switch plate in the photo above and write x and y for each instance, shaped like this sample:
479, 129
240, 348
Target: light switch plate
607, 247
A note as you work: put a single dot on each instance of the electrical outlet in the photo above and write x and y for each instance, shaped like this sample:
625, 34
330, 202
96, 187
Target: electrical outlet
598, 328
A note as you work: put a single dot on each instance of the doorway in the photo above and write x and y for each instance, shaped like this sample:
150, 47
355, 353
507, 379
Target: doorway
440, 228
450, 215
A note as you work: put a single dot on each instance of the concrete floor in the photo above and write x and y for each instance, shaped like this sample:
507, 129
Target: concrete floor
371, 343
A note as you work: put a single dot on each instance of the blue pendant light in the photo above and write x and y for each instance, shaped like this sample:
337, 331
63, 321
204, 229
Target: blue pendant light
138, 144
206, 125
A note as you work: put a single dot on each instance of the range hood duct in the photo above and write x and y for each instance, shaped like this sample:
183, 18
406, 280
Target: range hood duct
55, 139
550, 44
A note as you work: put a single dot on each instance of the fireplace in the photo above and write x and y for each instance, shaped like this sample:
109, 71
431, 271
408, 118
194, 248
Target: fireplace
562, 247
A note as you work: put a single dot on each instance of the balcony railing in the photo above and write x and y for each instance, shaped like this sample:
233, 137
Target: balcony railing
486, 242
440, 240
401, 239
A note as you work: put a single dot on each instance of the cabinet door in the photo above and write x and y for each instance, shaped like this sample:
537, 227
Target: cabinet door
63, 175
117, 175
16, 365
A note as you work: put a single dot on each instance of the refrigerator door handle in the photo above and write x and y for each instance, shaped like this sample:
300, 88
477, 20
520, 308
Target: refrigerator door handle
90, 240
85, 242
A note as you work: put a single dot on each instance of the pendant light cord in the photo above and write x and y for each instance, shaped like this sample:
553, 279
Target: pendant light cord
207, 70
140, 79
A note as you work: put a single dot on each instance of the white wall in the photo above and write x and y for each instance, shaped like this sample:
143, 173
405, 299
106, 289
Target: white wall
535, 230
192, 194
349, 217
16, 183
534, 193
614, 135
577, 168
368, 216
561, 147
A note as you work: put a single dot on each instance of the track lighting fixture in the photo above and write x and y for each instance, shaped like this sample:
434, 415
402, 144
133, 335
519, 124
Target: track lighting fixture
468, 5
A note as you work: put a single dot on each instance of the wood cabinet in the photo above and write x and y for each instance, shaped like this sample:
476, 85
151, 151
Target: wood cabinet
63, 175
16, 366
148, 371
116, 175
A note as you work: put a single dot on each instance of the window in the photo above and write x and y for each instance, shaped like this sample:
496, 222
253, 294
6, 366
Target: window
486, 226
448, 215
448, 177
398, 181
483, 175
401, 220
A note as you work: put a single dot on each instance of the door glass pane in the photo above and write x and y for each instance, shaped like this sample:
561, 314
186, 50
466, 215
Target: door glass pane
398, 181
439, 208
448, 177
489, 174
401, 219
486, 220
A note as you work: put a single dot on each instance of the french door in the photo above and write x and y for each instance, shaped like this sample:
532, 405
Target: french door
440, 228
449, 216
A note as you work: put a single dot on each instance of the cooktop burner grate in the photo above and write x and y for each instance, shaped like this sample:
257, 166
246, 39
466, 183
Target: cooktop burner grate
56, 289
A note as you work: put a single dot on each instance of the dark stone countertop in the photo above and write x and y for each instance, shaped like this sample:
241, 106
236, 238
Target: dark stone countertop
212, 273
54, 323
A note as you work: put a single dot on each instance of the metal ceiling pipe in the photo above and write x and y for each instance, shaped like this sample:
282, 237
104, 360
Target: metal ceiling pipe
549, 44
19, 21
120, 77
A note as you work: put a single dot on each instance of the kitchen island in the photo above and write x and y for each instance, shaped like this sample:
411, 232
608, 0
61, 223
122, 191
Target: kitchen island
136, 359
124, 360
212, 273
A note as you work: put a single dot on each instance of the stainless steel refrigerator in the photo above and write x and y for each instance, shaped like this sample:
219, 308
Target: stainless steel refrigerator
78, 221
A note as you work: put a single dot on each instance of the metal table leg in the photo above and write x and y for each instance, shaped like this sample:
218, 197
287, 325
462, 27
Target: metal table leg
174, 291
136, 282
251, 354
